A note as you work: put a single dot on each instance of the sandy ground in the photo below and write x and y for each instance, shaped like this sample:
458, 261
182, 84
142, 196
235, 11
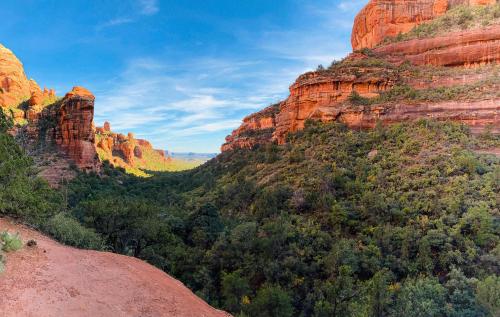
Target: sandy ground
54, 280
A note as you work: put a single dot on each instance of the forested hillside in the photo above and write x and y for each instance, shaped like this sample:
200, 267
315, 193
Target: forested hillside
397, 221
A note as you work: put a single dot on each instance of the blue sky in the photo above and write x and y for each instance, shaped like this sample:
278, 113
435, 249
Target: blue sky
181, 73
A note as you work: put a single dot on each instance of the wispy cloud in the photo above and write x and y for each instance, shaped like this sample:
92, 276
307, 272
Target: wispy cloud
169, 104
191, 103
114, 22
149, 7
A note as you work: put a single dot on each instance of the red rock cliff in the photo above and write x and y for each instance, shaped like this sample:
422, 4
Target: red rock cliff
66, 124
387, 18
14, 86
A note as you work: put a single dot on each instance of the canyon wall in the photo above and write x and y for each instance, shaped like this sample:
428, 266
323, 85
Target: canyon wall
466, 48
388, 18
458, 61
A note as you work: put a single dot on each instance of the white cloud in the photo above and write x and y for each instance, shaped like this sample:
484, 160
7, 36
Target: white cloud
168, 102
114, 22
149, 7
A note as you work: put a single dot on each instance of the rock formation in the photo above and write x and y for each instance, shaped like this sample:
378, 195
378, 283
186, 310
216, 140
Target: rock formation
73, 132
14, 86
388, 18
126, 151
48, 127
256, 128
475, 47
347, 91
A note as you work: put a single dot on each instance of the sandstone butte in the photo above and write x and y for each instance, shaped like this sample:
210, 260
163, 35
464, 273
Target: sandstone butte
54, 280
463, 58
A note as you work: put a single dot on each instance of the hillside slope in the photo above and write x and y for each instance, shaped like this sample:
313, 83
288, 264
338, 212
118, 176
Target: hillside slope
334, 217
51, 280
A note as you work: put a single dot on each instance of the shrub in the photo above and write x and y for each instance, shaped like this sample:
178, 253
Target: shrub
10, 242
356, 99
71, 232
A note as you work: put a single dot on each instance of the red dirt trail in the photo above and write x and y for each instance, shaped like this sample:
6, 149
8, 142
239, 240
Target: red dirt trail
52, 280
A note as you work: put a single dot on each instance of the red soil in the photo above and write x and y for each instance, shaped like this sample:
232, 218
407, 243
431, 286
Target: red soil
55, 280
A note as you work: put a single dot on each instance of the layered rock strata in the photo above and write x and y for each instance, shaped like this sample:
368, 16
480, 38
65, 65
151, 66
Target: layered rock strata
380, 19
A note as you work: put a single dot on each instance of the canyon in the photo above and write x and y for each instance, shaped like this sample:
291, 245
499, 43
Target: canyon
452, 76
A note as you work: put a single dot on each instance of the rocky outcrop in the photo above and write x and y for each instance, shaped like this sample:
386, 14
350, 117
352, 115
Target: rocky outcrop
256, 128
125, 150
50, 279
69, 125
468, 48
388, 18
313, 92
478, 115
14, 86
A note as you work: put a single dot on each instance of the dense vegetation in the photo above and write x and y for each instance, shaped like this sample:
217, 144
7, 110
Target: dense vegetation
391, 222
29, 198
398, 221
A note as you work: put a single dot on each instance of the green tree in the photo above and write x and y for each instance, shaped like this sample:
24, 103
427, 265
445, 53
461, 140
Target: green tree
421, 297
235, 291
488, 294
338, 294
205, 224
380, 297
6, 122
271, 301
461, 296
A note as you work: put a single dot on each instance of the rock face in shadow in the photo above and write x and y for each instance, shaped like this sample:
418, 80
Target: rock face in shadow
54, 280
